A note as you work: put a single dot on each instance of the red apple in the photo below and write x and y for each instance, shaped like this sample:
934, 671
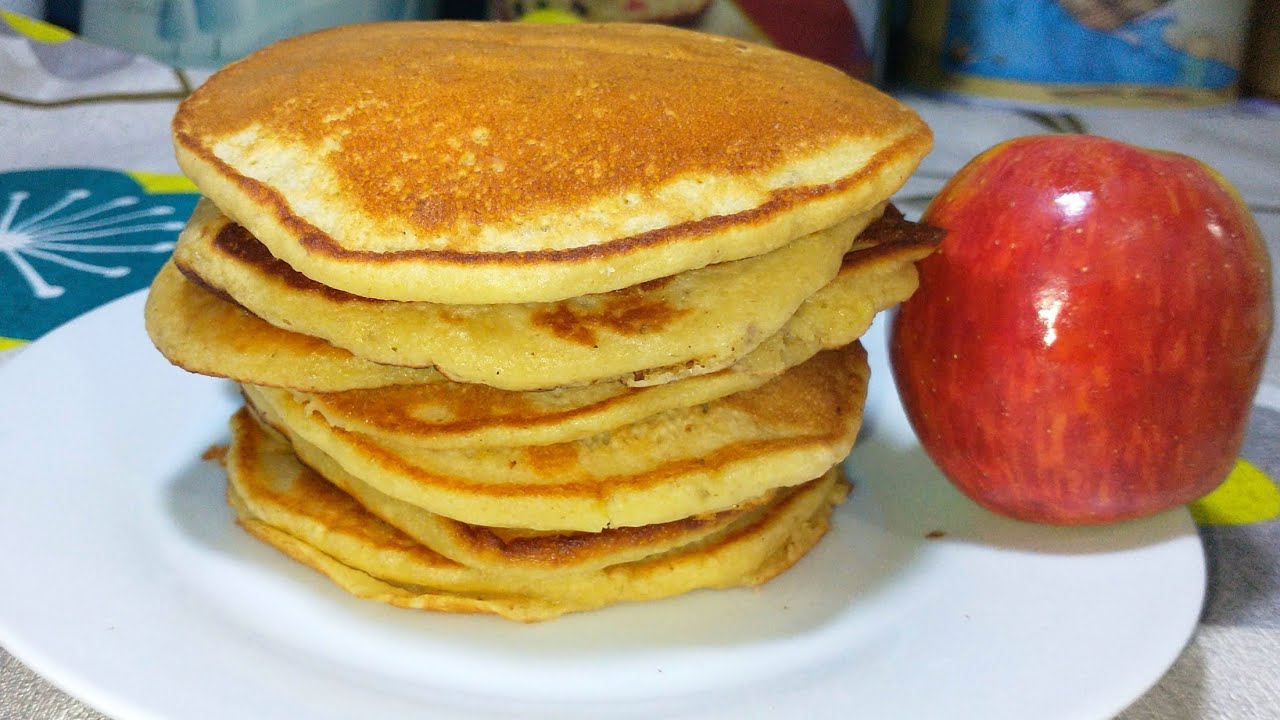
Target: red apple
1086, 344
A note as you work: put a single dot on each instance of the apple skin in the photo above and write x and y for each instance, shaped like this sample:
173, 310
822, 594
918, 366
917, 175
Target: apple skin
1086, 344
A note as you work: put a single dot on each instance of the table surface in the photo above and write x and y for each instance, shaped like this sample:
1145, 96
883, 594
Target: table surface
73, 105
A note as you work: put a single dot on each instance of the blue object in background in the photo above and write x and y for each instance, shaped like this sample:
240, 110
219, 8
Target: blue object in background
210, 33
73, 239
176, 22
1038, 41
221, 17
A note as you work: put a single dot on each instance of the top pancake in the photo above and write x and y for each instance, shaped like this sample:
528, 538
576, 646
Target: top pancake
496, 163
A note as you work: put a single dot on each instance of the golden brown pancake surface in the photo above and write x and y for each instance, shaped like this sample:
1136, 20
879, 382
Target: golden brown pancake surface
508, 351
287, 505
203, 333
515, 550
671, 466
701, 320
489, 163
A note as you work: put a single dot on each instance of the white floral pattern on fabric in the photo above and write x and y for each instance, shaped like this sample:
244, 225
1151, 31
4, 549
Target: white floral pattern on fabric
52, 234
74, 238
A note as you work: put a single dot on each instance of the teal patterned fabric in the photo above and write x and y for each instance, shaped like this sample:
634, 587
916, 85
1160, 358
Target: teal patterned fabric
72, 239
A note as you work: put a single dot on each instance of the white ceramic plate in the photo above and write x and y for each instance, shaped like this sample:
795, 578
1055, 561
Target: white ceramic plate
126, 583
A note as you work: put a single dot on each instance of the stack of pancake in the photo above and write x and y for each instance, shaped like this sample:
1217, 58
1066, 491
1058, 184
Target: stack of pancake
536, 319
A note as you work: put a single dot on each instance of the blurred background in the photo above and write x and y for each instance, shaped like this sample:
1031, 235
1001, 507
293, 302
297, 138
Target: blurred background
1137, 53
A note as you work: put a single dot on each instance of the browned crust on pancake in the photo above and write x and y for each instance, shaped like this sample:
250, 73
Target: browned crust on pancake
840, 401
887, 236
248, 452
557, 549
472, 406
894, 237
475, 407
791, 551
544, 456
790, 525
235, 241
200, 330
501, 162
780, 202
552, 343
892, 227
629, 311
504, 547
561, 549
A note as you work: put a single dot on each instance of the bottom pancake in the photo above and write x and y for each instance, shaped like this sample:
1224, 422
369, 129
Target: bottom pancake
500, 550
289, 506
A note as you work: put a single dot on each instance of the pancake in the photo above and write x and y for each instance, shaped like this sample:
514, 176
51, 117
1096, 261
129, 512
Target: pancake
674, 465
481, 163
203, 333
287, 505
702, 320
878, 274
786, 538
455, 415
506, 550
870, 280
365, 586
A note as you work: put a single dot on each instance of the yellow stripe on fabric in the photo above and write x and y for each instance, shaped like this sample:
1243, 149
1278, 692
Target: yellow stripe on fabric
37, 30
1247, 496
161, 183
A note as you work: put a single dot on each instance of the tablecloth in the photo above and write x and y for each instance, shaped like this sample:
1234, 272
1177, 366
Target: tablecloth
86, 170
